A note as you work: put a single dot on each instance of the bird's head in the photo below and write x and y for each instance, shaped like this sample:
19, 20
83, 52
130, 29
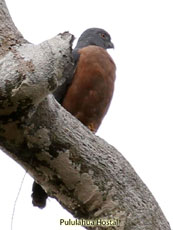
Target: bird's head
95, 36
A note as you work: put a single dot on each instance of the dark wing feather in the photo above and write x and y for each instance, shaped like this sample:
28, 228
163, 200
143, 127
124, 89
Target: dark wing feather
59, 93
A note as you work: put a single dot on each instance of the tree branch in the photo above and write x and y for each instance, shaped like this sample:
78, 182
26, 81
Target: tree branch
89, 177
9, 34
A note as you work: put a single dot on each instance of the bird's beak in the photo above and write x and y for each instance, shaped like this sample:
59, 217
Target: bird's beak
110, 45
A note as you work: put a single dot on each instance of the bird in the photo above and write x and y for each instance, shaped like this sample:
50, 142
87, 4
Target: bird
88, 94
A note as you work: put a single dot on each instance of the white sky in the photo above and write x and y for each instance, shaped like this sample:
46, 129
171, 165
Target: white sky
140, 120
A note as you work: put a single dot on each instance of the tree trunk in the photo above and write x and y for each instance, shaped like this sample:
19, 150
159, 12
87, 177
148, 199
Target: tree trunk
89, 177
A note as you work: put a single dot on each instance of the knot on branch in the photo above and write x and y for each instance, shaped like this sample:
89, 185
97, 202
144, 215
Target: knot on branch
30, 72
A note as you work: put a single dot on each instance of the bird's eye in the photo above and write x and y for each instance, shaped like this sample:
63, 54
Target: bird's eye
103, 35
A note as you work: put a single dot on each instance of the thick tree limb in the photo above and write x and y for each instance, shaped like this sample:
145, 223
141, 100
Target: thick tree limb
86, 175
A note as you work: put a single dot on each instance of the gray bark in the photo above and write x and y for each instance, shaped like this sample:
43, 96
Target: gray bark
89, 177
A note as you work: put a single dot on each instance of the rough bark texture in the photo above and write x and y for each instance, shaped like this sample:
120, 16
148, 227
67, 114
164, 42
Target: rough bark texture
86, 175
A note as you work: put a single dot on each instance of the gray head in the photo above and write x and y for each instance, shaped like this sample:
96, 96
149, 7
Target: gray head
95, 36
